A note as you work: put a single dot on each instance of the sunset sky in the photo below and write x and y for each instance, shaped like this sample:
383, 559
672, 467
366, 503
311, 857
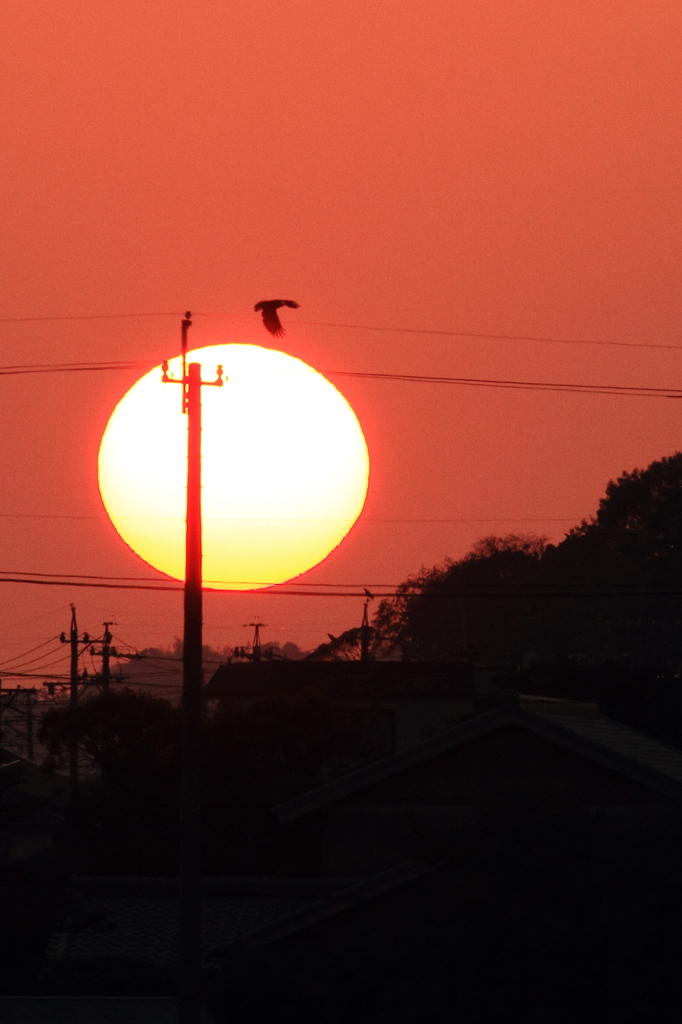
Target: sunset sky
405, 166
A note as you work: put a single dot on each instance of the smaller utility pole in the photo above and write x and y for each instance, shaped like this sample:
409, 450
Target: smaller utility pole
365, 629
255, 643
105, 654
30, 697
74, 640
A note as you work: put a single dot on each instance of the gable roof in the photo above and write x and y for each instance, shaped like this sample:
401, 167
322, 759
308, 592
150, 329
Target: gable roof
343, 896
88, 1010
136, 919
578, 727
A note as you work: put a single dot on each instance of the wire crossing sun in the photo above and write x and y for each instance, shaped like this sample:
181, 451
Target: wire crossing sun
285, 468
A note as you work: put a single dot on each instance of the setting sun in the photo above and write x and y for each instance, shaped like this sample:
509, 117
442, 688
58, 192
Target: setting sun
285, 468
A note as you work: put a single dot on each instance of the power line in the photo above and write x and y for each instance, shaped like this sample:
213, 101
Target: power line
31, 661
61, 678
36, 671
69, 368
527, 385
494, 337
428, 590
77, 576
360, 327
471, 334
18, 657
92, 316
77, 583
640, 391
114, 364
366, 519
67, 580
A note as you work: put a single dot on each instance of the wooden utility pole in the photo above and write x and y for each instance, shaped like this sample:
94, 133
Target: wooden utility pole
73, 641
106, 656
189, 965
255, 643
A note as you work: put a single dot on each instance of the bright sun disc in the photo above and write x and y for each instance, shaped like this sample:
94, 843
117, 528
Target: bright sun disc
285, 468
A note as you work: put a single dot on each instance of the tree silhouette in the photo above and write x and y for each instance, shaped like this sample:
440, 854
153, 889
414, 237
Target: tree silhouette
609, 590
348, 645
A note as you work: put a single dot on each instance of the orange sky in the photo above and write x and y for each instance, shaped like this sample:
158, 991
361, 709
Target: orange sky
483, 166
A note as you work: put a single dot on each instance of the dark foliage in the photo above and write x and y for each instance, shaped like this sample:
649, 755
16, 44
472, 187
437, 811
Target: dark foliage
609, 591
125, 820
348, 645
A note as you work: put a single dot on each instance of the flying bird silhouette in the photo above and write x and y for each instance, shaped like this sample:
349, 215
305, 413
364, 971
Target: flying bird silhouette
268, 310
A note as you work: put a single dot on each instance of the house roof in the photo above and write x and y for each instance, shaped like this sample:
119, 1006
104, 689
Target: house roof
32, 779
137, 919
342, 897
88, 1010
578, 727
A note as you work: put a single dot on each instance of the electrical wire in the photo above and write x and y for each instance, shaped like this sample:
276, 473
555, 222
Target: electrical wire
492, 337
364, 586
61, 678
366, 519
468, 334
75, 576
92, 316
70, 368
50, 664
429, 590
65, 579
622, 390
79, 583
639, 391
18, 657
24, 664
357, 327
521, 385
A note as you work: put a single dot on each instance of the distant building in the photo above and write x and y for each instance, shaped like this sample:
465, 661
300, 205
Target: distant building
393, 704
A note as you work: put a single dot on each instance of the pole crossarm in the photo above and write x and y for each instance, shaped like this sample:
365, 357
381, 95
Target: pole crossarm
185, 324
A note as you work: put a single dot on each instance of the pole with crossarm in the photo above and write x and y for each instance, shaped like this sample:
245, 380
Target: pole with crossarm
189, 963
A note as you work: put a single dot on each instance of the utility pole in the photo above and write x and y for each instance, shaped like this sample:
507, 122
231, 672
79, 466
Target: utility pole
74, 641
30, 695
365, 629
255, 643
189, 965
105, 654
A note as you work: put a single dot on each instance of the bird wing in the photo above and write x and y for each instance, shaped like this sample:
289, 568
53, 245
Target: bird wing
272, 321
268, 309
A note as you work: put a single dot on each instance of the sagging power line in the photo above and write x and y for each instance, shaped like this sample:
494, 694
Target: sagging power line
358, 327
615, 390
